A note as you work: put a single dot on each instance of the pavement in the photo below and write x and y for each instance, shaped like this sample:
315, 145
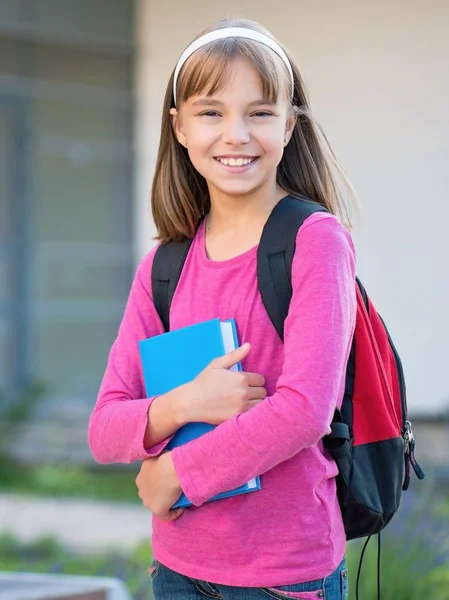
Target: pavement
85, 526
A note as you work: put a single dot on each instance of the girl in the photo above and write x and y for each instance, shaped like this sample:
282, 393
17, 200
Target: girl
238, 136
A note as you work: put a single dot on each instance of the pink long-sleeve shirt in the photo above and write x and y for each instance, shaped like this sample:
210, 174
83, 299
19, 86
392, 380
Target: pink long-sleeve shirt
291, 531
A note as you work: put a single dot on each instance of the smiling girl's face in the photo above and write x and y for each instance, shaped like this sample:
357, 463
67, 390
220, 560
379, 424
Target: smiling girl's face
235, 137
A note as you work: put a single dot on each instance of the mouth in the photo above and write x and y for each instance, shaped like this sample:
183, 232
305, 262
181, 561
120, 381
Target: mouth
241, 161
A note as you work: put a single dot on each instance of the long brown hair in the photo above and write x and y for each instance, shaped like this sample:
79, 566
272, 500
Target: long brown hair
180, 195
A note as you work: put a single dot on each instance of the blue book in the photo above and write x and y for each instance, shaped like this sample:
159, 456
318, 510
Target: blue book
177, 357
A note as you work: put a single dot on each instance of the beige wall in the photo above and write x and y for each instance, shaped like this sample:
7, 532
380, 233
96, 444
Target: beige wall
378, 74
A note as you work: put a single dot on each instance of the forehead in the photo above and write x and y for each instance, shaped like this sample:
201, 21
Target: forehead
240, 80
219, 70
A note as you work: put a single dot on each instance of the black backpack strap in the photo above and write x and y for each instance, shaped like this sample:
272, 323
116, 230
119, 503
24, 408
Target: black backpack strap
275, 255
168, 262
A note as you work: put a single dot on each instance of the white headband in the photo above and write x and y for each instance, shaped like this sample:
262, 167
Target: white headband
237, 32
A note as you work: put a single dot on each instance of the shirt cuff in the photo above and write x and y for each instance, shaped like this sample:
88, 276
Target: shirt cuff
185, 480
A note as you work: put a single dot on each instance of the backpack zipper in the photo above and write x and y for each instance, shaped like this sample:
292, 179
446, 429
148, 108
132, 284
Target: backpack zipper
402, 391
399, 425
407, 431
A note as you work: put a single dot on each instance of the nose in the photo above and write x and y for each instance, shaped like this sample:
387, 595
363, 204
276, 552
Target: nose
236, 132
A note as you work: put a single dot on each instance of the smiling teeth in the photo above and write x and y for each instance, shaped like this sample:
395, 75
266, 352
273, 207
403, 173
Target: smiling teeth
236, 162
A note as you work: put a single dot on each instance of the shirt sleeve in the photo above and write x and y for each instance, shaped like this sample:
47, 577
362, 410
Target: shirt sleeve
318, 333
118, 422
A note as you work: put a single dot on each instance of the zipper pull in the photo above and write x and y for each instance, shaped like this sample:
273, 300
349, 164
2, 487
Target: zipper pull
410, 451
407, 470
418, 471
407, 473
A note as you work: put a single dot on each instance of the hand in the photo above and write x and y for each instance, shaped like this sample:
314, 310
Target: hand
159, 487
218, 394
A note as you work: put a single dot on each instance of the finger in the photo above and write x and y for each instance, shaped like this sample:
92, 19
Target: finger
252, 403
249, 404
175, 514
255, 379
258, 393
170, 515
232, 358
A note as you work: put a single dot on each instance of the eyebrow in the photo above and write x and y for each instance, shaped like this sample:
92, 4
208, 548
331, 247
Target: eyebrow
211, 102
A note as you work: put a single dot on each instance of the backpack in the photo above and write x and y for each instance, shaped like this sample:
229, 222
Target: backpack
371, 438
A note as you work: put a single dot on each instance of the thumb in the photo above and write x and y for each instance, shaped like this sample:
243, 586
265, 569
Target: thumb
232, 358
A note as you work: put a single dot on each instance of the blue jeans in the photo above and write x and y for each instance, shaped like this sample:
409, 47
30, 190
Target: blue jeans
168, 585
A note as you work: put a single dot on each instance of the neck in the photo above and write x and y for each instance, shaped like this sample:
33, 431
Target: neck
237, 213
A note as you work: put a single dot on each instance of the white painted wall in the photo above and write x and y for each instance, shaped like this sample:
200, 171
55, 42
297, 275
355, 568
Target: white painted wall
378, 74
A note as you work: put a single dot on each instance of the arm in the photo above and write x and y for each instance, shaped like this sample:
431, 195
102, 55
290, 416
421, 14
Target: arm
125, 425
318, 335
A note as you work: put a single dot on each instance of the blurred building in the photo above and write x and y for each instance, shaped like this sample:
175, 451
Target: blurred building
66, 190
81, 88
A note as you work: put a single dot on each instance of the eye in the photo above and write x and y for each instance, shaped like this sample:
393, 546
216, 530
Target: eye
262, 113
209, 113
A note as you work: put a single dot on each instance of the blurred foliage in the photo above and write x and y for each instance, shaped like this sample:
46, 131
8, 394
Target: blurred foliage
46, 555
415, 546
17, 412
70, 480
414, 565
21, 408
408, 572
54, 479
414, 552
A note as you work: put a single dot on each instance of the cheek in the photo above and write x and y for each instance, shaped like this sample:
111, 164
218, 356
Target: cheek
199, 155
198, 163
200, 137
274, 143
273, 136
200, 144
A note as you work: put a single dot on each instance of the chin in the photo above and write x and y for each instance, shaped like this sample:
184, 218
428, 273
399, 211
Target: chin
237, 190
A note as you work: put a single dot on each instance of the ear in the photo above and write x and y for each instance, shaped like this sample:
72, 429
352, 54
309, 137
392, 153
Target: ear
177, 127
290, 125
